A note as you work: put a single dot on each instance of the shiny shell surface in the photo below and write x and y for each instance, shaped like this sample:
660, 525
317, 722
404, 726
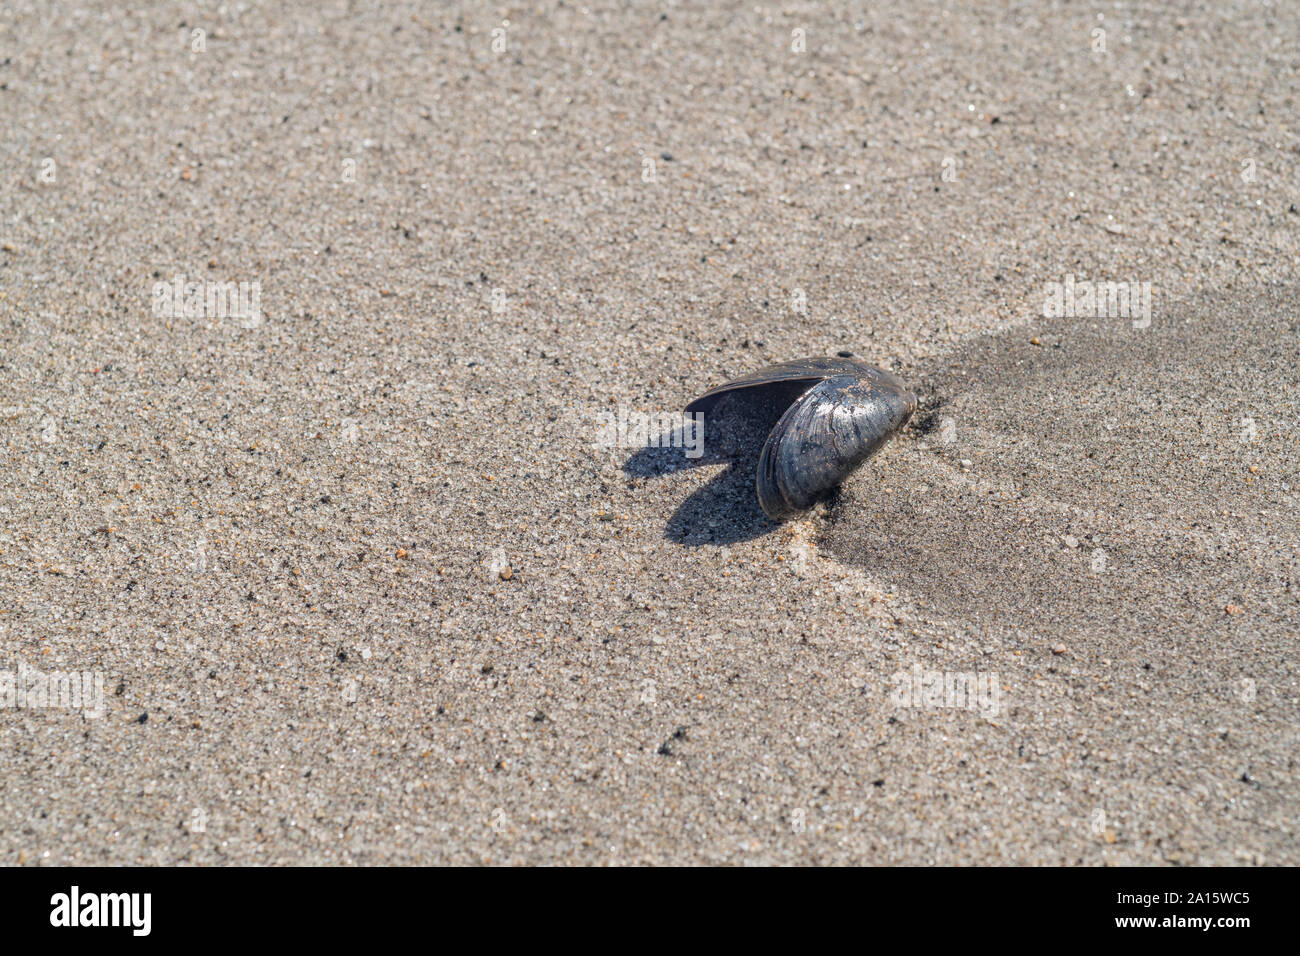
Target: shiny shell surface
845, 413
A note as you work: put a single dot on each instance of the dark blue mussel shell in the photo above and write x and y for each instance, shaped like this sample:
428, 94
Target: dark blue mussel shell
845, 413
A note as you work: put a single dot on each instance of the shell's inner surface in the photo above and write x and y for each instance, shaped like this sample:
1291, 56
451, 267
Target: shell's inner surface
841, 412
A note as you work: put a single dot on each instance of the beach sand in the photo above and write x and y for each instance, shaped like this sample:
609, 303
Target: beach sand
360, 587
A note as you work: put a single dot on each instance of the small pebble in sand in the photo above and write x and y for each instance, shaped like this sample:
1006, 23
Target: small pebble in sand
1059, 649
507, 573
1234, 609
1071, 541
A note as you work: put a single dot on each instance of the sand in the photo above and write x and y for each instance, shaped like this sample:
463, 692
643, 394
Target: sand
359, 584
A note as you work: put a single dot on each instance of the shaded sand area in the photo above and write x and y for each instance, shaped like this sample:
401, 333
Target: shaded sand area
1102, 478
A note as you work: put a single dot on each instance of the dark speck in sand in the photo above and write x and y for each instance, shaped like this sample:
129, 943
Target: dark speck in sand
666, 748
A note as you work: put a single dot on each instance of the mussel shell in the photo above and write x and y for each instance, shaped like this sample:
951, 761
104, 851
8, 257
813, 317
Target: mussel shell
848, 410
